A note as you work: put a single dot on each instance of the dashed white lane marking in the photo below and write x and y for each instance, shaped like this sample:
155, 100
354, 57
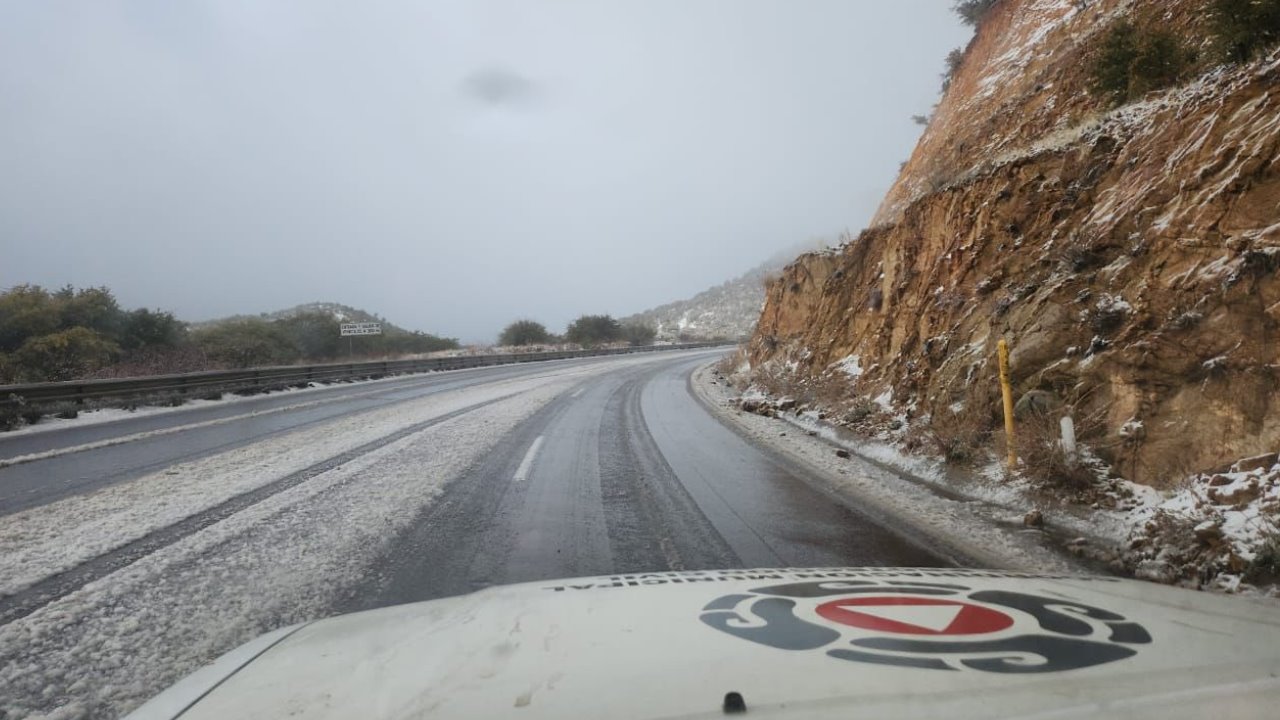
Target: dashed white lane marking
522, 472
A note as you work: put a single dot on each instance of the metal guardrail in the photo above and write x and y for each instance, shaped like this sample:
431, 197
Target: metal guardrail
280, 376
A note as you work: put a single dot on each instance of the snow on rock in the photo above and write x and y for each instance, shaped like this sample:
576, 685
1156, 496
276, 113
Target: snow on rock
1223, 529
850, 366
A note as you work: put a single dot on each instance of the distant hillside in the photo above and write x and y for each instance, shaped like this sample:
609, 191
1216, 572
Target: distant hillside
729, 310
307, 331
341, 313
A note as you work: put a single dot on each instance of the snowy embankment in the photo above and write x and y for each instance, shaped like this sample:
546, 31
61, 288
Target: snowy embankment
1216, 531
109, 645
1221, 527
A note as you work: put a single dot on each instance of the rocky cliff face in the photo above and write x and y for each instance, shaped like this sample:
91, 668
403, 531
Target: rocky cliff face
1129, 257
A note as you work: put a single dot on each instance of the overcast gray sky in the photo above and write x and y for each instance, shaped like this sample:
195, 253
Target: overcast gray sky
450, 165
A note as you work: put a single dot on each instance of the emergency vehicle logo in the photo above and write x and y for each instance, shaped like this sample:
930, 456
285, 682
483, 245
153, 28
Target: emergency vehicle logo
928, 625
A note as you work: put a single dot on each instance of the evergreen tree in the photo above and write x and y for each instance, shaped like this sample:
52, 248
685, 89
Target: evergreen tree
972, 12
1242, 28
524, 332
1114, 59
591, 330
638, 333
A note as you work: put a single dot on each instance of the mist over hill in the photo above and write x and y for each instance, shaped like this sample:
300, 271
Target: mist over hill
728, 310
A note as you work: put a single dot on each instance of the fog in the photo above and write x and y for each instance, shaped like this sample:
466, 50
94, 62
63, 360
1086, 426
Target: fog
449, 165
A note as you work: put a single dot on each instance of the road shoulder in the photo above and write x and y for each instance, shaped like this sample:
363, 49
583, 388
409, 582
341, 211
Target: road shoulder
969, 531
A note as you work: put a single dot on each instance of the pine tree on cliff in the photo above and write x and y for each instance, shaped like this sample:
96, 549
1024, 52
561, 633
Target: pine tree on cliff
1244, 27
1114, 60
972, 11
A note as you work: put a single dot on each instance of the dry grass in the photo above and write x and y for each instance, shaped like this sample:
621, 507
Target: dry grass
729, 364
830, 391
777, 382
959, 437
1040, 448
163, 361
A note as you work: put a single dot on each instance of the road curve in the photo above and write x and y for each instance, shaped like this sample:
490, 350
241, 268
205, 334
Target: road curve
627, 474
199, 529
123, 449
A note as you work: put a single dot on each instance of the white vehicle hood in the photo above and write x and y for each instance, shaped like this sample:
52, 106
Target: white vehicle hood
793, 643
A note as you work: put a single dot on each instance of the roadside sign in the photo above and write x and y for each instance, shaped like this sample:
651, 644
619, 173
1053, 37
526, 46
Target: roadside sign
364, 328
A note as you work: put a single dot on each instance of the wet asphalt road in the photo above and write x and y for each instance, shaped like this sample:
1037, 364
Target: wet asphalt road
610, 466
165, 439
627, 474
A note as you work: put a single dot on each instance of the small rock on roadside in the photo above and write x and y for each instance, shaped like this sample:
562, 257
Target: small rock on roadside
1209, 533
842, 454
1033, 519
1155, 571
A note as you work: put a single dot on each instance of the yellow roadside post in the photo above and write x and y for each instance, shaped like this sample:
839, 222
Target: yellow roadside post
1007, 390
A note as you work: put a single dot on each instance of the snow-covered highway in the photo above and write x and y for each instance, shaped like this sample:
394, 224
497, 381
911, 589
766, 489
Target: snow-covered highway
132, 552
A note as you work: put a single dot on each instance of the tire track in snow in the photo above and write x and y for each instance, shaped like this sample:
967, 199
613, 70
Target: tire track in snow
55, 587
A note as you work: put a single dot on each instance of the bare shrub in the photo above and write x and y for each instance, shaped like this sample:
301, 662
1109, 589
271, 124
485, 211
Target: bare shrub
1186, 320
959, 435
11, 412
729, 364
830, 390
1265, 566
161, 361
1109, 314
1044, 461
955, 59
860, 411
777, 382
949, 299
